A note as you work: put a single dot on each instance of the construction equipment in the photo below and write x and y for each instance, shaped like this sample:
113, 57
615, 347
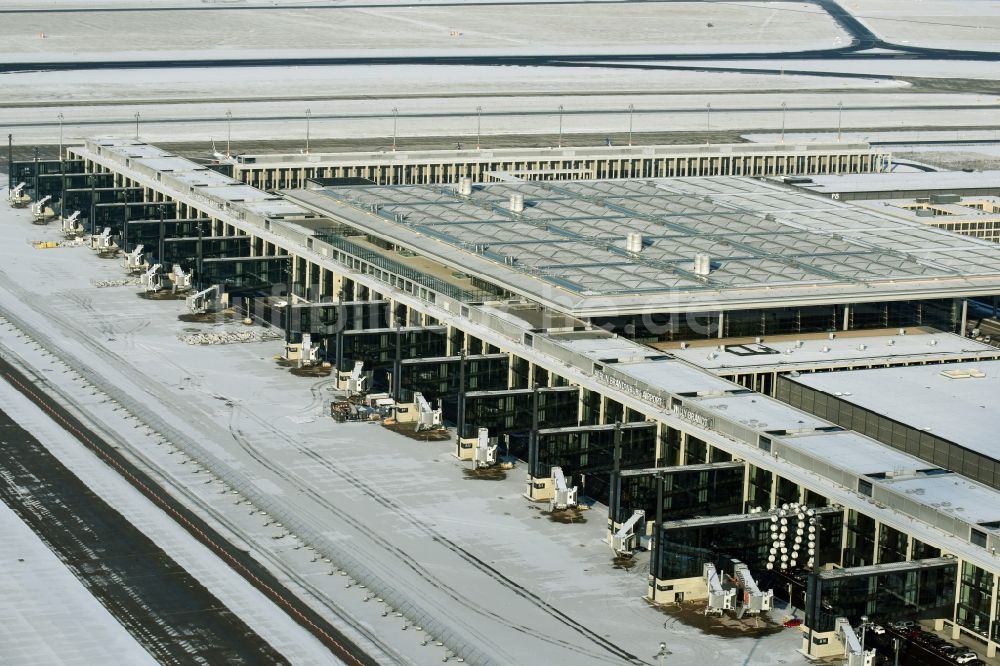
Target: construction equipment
753, 600
856, 655
205, 300
181, 279
134, 261
70, 227
485, 454
40, 213
152, 280
626, 541
17, 197
563, 496
720, 598
427, 418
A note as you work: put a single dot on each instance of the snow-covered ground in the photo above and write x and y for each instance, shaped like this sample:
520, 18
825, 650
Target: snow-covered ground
933, 23
471, 558
407, 30
47, 617
529, 114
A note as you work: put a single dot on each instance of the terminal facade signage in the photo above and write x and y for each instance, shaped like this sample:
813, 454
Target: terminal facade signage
631, 389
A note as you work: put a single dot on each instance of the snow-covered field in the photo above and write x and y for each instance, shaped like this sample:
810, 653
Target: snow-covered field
407, 30
472, 556
934, 23
47, 616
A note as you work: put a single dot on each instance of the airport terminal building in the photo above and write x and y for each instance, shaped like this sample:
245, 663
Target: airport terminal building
544, 311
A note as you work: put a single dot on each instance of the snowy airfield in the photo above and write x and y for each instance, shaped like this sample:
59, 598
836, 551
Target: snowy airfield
356, 100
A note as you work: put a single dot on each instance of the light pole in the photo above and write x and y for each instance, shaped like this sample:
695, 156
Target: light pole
864, 626
479, 125
229, 132
784, 108
840, 117
708, 116
136, 125
60, 135
560, 124
631, 111
395, 117
662, 653
308, 116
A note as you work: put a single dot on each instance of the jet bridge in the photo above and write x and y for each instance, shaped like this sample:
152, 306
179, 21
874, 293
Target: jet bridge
626, 540
720, 598
753, 601
856, 655
564, 497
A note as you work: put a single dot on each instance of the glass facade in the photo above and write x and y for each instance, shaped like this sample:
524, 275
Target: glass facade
185, 251
892, 545
937, 313
759, 493
147, 232
684, 547
328, 318
975, 595
787, 492
378, 347
687, 493
586, 454
860, 549
509, 413
921, 589
253, 275
438, 378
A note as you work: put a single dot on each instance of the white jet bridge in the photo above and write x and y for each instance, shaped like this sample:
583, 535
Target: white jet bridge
17, 197
754, 601
134, 261
720, 598
427, 418
70, 227
856, 655
204, 300
563, 497
152, 280
356, 383
485, 454
181, 280
40, 212
626, 540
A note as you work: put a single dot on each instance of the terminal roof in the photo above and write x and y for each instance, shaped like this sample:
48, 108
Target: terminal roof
965, 411
788, 352
768, 245
901, 181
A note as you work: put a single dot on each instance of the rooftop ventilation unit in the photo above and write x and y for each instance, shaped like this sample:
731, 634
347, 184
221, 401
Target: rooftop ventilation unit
465, 186
702, 264
633, 242
516, 202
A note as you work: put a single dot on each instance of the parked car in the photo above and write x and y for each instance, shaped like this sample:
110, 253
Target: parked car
948, 650
877, 629
966, 657
903, 624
